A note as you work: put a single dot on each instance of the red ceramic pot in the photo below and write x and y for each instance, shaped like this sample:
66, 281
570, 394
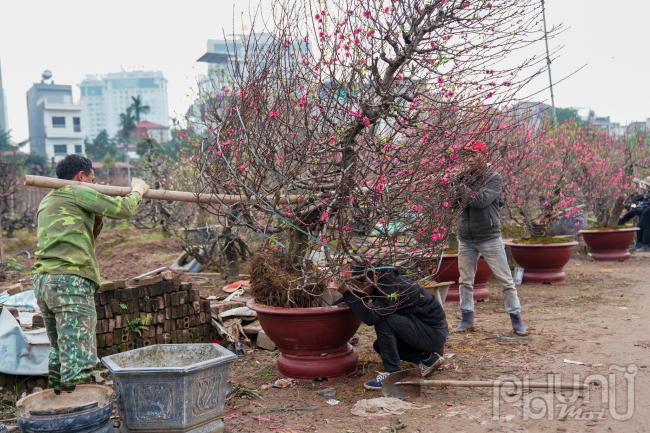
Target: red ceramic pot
609, 245
313, 342
449, 272
542, 263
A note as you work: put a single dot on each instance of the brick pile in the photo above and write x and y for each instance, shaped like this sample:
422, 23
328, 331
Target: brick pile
157, 310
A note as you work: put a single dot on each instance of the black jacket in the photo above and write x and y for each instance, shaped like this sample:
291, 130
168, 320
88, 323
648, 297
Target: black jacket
396, 294
480, 220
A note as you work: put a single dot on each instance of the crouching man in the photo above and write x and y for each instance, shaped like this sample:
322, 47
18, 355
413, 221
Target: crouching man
409, 322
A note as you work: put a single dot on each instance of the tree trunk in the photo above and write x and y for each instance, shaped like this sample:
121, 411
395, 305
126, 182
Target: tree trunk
297, 248
2, 254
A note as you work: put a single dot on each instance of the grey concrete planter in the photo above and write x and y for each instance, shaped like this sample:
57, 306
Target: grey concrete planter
171, 387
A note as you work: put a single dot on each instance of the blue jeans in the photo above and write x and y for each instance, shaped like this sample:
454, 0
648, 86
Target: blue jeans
494, 253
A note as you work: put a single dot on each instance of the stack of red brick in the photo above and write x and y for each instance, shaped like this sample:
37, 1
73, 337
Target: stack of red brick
156, 310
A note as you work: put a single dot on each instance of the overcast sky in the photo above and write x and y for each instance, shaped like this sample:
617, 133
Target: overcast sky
78, 37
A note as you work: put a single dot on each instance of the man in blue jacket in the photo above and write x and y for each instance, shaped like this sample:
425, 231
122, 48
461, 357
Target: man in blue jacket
479, 234
409, 322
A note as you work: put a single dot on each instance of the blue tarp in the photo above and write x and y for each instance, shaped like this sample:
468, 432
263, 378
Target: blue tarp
22, 352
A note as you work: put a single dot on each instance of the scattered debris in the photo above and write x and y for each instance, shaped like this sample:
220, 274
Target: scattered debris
238, 312
97, 375
253, 328
383, 406
290, 408
332, 402
12, 289
571, 361
327, 392
264, 342
240, 391
236, 285
283, 382
234, 295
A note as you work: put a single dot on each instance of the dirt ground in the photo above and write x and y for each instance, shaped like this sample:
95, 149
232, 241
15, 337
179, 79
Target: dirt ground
597, 318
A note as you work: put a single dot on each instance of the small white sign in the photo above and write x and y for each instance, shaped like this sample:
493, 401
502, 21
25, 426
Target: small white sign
518, 275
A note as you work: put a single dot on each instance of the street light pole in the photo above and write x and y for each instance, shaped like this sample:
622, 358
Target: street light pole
548, 65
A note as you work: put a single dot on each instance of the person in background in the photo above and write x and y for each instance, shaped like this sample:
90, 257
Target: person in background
66, 274
479, 234
640, 208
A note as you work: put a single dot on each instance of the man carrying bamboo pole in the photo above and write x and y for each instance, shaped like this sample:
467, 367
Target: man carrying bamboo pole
66, 273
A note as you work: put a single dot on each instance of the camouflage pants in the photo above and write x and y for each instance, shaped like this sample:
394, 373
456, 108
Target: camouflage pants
68, 306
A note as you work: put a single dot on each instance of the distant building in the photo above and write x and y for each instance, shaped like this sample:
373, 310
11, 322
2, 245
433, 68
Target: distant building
222, 58
602, 122
104, 98
531, 111
634, 127
4, 124
617, 129
146, 129
225, 57
54, 120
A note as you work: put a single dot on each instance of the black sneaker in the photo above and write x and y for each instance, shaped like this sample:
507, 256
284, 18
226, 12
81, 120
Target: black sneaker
376, 383
68, 387
431, 363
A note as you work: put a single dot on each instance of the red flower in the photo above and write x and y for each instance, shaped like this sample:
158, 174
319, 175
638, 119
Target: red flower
476, 146
366, 121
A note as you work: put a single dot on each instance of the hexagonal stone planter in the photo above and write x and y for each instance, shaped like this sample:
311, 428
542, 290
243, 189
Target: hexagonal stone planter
179, 388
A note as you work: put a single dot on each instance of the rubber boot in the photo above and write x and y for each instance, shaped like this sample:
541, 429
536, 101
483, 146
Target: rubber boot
518, 324
466, 322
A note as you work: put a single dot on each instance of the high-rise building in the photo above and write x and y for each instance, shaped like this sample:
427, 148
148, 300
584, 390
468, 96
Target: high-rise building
104, 98
4, 124
54, 120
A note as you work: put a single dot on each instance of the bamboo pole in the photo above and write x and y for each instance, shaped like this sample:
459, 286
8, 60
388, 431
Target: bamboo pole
153, 194
495, 384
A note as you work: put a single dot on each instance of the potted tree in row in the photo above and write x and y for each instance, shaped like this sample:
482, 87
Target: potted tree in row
539, 190
604, 170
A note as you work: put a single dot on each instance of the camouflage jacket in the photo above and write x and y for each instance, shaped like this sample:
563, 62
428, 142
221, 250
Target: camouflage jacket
67, 229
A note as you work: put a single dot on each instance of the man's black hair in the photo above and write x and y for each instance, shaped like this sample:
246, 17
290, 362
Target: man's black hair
69, 166
367, 272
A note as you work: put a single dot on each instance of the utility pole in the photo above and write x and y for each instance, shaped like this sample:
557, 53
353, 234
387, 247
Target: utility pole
548, 66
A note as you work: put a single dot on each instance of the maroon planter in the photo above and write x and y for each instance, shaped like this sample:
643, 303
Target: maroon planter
449, 272
609, 245
313, 342
542, 263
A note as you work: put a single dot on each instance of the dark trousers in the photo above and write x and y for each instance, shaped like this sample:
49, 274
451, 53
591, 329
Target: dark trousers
643, 235
407, 338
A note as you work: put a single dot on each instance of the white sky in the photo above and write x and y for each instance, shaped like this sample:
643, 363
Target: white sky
77, 37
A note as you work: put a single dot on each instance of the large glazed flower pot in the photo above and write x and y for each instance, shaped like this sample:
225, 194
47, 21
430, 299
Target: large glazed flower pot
313, 342
542, 263
609, 245
449, 272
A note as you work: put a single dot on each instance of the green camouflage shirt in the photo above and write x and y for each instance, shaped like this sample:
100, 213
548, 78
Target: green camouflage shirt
67, 229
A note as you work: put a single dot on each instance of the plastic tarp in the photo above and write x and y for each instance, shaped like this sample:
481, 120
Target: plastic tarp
23, 301
22, 352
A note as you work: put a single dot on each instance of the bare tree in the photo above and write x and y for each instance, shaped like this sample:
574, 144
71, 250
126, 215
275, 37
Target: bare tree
8, 185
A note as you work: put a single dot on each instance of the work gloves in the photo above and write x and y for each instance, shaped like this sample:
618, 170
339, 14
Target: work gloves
139, 185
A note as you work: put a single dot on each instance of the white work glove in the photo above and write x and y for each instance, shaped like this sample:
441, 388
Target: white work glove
139, 185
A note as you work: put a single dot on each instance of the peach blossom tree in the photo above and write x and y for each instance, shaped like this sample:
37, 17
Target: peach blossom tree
341, 131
